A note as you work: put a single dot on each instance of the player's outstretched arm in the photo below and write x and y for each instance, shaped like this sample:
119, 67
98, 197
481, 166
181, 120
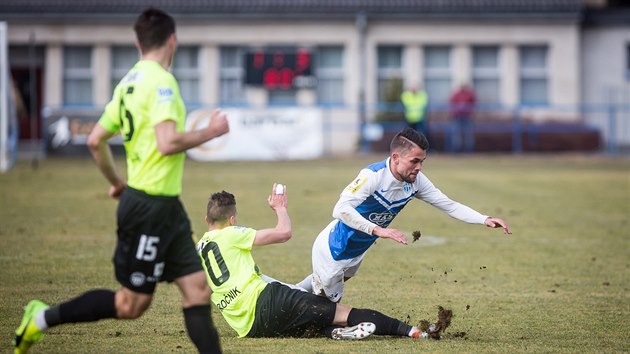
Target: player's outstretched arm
282, 232
496, 223
170, 141
394, 234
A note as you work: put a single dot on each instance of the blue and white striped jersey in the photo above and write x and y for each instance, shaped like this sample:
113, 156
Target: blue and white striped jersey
374, 198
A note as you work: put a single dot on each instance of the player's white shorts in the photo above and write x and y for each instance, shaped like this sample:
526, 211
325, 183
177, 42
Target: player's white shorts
328, 273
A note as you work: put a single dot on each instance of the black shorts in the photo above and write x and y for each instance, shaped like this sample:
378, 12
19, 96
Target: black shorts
285, 312
154, 241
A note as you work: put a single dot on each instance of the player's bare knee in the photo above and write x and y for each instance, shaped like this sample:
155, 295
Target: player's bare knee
131, 306
130, 313
195, 290
203, 293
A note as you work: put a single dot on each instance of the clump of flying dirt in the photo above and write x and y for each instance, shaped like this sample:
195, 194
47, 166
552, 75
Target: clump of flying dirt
444, 320
416, 235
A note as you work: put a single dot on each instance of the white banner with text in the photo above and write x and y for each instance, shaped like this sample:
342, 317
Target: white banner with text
261, 134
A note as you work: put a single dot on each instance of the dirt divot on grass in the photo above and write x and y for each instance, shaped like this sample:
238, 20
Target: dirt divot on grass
444, 320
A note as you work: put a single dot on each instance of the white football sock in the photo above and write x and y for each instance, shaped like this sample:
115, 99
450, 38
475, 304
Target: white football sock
40, 320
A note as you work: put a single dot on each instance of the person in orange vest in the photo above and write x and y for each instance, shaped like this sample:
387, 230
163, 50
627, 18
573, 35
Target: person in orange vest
415, 101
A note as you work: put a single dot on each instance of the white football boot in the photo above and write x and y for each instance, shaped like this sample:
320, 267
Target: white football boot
360, 331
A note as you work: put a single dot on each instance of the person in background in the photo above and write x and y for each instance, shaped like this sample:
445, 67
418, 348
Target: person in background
154, 241
462, 106
415, 102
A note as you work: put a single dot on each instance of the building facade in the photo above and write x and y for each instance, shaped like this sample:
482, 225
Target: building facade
534, 55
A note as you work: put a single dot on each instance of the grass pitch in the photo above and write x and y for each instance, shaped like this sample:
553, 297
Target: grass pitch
560, 283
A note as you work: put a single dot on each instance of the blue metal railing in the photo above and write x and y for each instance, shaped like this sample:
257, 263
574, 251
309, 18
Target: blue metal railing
525, 123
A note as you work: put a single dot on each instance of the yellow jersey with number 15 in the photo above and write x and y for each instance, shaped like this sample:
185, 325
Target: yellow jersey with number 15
145, 97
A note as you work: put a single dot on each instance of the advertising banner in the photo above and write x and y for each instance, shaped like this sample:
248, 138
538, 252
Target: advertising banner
66, 131
263, 134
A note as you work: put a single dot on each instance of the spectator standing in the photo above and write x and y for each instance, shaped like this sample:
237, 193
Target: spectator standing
415, 101
462, 106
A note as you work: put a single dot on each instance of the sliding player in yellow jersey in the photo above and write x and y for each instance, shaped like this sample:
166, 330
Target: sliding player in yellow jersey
254, 307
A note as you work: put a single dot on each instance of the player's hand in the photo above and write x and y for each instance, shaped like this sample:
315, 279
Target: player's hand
496, 223
278, 200
218, 123
116, 190
394, 234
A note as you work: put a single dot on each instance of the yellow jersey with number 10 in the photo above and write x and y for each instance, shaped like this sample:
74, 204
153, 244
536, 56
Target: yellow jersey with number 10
232, 274
145, 97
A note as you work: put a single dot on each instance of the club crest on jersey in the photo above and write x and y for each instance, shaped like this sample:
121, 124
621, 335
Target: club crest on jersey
356, 184
137, 279
381, 218
407, 187
165, 94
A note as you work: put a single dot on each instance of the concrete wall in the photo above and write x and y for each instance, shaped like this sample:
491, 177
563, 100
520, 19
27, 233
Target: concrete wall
604, 64
604, 67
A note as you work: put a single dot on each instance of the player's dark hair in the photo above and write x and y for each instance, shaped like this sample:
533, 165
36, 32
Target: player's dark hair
405, 138
221, 206
153, 27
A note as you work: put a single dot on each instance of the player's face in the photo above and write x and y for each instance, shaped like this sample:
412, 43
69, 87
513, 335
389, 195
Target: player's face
407, 164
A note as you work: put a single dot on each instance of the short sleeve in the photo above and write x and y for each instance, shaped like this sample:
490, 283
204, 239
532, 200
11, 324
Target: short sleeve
164, 98
109, 119
242, 237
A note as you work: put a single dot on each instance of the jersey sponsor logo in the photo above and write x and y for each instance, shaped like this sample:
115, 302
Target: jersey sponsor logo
137, 279
381, 218
228, 298
165, 94
356, 185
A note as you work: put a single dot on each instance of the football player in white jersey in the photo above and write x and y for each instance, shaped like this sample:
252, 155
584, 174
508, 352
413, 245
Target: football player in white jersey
369, 204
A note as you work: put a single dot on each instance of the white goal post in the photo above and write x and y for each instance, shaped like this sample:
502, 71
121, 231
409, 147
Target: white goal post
8, 124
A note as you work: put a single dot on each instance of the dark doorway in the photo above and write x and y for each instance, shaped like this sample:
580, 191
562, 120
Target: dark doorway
27, 73
29, 123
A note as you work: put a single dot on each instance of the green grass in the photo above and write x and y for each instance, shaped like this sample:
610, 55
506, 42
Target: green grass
560, 283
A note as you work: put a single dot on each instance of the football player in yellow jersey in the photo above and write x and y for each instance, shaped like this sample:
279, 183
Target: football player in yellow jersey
256, 307
154, 234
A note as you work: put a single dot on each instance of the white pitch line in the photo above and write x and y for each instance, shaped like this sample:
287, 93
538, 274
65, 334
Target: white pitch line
428, 241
